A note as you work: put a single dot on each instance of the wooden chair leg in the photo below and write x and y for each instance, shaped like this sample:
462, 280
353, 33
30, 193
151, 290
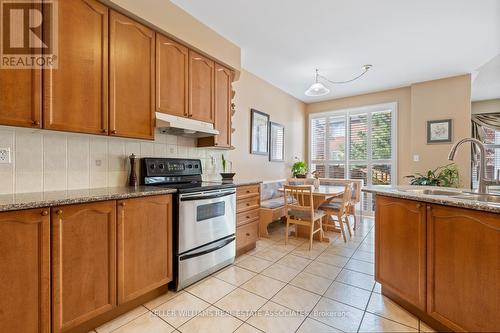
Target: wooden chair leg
348, 225
286, 232
355, 220
311, 236
342, 230
321, 232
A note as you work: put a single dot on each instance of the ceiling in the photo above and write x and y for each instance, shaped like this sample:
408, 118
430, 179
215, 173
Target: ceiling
406, 41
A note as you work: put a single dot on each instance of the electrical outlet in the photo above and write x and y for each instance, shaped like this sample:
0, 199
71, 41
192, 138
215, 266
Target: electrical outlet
4, 155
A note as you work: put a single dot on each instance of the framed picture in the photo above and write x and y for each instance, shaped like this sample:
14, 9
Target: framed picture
439, 131
259, 140
276, 142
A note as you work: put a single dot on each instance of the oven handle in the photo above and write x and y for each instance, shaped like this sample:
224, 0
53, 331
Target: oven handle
201, 197
197, 254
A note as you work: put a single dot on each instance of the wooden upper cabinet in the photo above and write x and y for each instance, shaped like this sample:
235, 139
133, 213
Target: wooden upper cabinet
464, 268
21, 97
25, 271
201, 87
172, 66
400, 248
144, 245
83, 263
76, 93
132, 78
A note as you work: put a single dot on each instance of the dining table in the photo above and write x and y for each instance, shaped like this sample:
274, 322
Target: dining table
321, 195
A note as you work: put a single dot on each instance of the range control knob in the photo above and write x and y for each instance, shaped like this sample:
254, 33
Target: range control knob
161, 166
190, 166
152, 166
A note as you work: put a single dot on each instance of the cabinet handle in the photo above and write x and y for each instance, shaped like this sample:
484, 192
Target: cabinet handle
113, 131
104, 130
419, 205
248, 191
248, 234
45, 212
59, 212
248, 217
248, 204
122, 204
36, 123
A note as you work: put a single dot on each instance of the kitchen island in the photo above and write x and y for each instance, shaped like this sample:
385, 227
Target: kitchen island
437, 254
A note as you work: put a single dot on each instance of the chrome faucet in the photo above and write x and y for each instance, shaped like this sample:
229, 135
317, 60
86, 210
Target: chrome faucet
483, 181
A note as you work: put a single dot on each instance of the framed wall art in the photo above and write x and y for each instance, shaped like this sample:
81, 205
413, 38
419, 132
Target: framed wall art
439, 131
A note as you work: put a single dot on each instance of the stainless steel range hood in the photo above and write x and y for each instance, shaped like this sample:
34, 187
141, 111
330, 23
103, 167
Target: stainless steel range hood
183, 126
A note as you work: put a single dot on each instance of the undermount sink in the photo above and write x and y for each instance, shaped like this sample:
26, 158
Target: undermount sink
434, 192
479, 197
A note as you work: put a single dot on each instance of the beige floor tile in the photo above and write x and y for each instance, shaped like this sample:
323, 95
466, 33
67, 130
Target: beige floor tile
294, 262
240, 303
367, 247
245, 328
284, 248
241, 258
373, 323
349, 244
122, 320
338, 315
313, 326
323, 270
263, 286
356, 279
211, 320
162, 299
332, 259
384, 307
211, 289
340, 251
180, 309
292, 241
423, 327
254, 264
361, 266
310, 282
378, 288
267, 320
296, 299
306, 253
264, 242
271, 253
350, 295
364, 256
235, 275
148, 322
280, 272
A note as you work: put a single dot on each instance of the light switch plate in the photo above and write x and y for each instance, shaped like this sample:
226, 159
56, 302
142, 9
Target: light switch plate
4, 155
416, 158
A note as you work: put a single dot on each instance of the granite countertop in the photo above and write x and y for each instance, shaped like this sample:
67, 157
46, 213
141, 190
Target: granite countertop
20, 201
403, 193
243, 183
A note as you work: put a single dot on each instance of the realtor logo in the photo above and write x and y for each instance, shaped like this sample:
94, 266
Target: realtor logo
29, 34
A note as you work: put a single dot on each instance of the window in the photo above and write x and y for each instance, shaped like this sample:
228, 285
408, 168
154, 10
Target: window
356, 143
492, 145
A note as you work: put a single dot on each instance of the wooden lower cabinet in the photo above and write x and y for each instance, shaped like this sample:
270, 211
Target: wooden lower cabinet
144, 245
247, 217
400, 248
83, 262
25, 271
464, 268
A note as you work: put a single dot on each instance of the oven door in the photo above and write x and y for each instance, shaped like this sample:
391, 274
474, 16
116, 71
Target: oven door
205, 217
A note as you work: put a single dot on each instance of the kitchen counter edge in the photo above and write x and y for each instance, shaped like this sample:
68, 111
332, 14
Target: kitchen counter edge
22, 201
401, 192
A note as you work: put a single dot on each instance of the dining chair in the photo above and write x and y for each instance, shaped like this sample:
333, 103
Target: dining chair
301, 211
339, 210
357, 185
300, 181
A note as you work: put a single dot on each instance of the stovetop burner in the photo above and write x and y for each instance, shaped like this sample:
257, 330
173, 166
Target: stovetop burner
181, 174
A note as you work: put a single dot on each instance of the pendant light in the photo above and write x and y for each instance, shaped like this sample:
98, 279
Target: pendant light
319, 89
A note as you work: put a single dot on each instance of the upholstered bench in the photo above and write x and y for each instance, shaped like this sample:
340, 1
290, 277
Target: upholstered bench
272, 204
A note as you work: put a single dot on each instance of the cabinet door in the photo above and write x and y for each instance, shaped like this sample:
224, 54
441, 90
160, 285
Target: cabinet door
132, 66
21, 97
464, 268
83, 262
25, 271
144, 245
223, 81
76, 93
201, 87
400, 251
172, 66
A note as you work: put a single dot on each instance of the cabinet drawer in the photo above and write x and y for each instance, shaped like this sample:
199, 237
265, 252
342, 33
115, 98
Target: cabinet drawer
247, 217
247, 234
247, 191
243, 205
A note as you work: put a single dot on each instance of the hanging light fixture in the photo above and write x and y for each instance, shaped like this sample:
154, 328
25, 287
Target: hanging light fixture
319, 89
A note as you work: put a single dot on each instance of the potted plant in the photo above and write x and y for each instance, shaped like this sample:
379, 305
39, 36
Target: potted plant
299, 169
445, 176
225, 174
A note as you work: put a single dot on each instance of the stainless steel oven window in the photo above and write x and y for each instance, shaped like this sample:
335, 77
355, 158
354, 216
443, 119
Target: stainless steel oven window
210, 211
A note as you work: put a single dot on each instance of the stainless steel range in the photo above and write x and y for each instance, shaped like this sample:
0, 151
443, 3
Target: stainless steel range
204, 217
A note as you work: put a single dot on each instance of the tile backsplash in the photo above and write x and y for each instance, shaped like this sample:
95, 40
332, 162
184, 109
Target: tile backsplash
48, 161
